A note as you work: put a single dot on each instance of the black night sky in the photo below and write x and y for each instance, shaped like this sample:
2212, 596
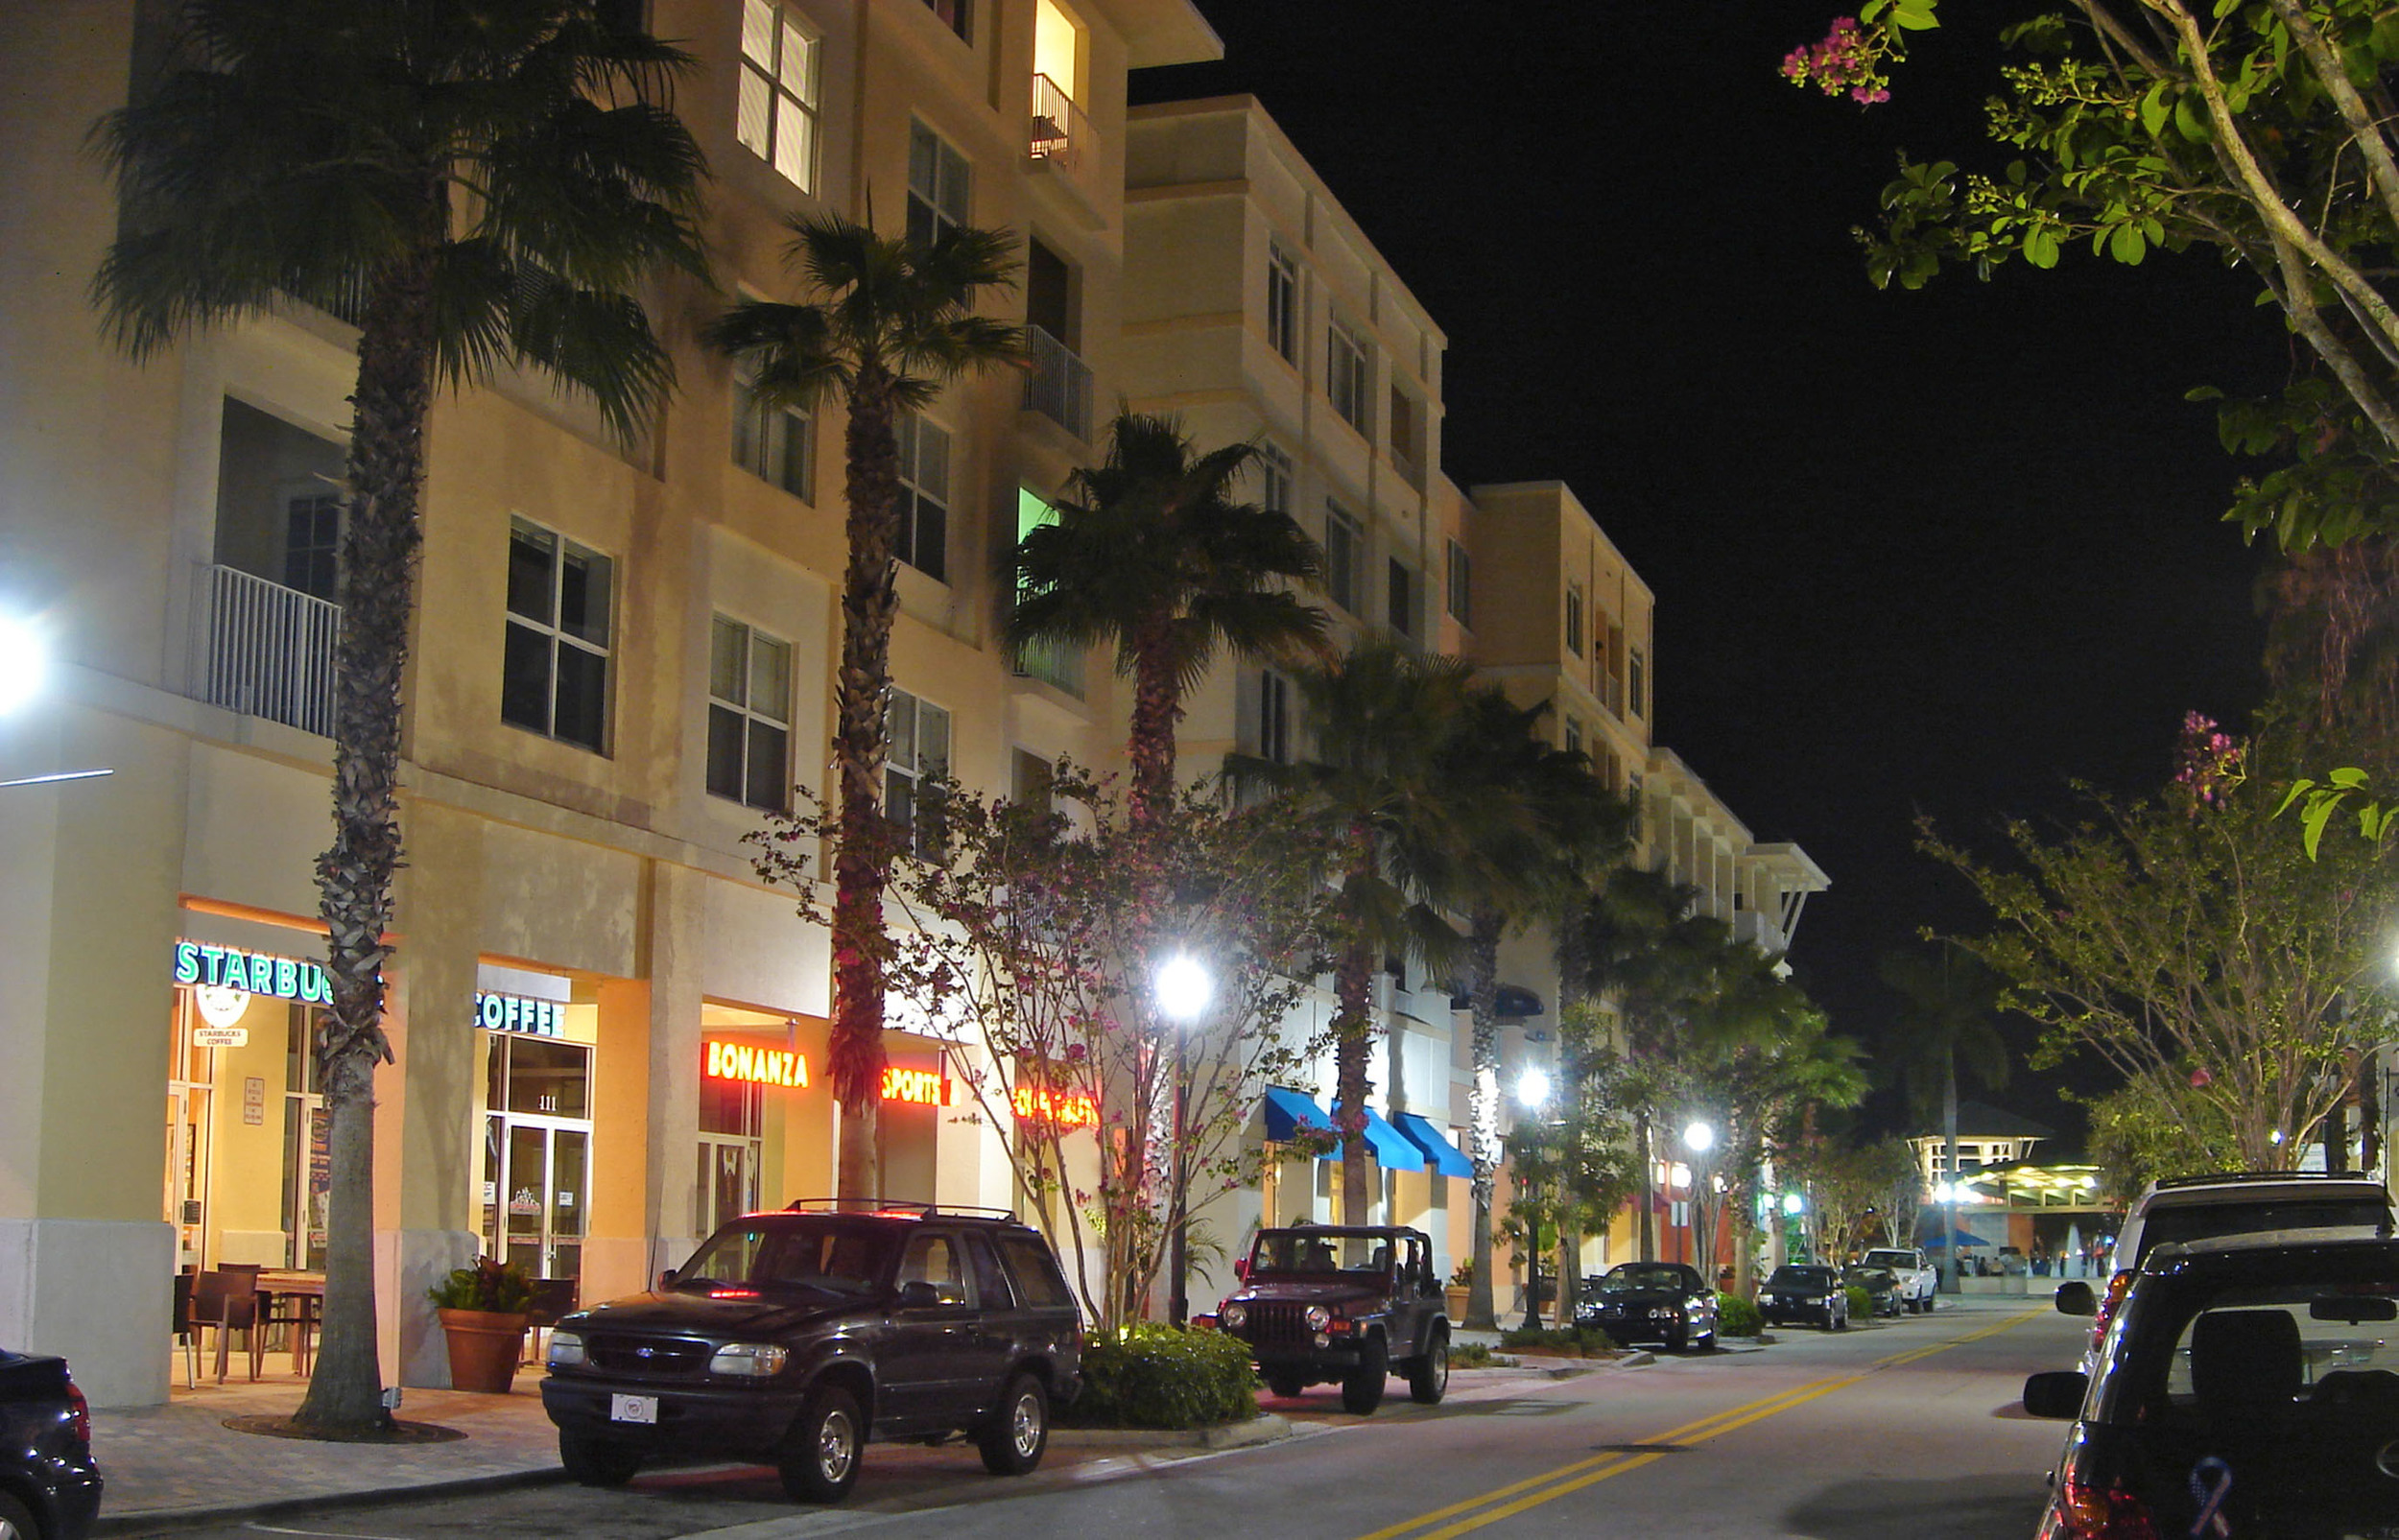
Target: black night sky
1935, 552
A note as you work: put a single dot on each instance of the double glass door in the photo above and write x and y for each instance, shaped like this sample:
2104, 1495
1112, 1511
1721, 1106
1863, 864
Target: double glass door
536, 1176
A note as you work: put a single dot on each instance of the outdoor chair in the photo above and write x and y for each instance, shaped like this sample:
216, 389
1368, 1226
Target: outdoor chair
228, 1300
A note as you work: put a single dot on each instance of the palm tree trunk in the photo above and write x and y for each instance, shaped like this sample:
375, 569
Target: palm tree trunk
1157, 707
1949, 1135
1647, 1242
1353, 1039
1482, 957
862, 859
386, 474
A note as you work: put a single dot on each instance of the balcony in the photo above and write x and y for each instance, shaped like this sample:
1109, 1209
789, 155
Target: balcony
1060, 138
1051, 663
1059, 384
265, 649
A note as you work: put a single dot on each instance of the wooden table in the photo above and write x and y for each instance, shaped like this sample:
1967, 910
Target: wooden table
307, 1291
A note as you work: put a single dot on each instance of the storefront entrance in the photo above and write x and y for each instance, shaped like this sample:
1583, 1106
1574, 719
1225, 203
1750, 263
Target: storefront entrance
536, 1180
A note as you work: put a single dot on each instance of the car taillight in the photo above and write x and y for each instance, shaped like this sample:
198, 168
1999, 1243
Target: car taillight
78, 1411
2093, 1513
2118, 1287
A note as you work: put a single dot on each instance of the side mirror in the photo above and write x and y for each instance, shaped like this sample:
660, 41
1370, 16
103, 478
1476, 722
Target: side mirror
2075, 1298
1241, 1269
2056, 1393
666, 1280
919, 1294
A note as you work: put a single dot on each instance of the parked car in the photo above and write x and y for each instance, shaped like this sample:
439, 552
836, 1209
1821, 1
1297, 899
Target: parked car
49, 1487
798, 1337
1805, 1292
1882, 1287
1918, 1279
1353, 1304
2248, 1385
2198, 1208
1650, 1302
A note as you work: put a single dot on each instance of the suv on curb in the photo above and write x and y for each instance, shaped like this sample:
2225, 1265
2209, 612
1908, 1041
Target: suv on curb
1353, 1304
797, 1337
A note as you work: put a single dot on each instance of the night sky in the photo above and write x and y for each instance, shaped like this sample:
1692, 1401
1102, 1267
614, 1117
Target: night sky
1936, 551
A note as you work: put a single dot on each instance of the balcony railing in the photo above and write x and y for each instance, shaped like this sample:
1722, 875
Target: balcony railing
1060, 136
1054, 664
1060, 386
265, 649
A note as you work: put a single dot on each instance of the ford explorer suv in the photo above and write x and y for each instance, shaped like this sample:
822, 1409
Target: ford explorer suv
796, 1338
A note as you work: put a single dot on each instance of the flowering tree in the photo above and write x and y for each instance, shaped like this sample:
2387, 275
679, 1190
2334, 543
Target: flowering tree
1027, 940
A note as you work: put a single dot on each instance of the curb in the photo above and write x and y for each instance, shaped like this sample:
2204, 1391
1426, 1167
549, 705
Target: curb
162, 1521
1266, 1427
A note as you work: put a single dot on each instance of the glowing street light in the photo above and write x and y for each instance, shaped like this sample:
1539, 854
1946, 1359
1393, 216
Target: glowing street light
1183, 987
1533, 1088
24, 663
1183, 990
1700, 1137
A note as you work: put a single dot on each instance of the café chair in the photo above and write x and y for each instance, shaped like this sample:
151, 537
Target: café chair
228, 1299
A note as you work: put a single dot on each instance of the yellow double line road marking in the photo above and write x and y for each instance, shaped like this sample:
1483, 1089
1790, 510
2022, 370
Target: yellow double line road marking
1549, 1486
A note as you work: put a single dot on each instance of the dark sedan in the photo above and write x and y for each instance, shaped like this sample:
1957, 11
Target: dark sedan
49, 1487
1882, 1289
1650, 1302
1805, 1293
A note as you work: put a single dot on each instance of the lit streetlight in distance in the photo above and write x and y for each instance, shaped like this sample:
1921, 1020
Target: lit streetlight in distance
24, 663
1700, 1137
1533, 1088
1183, 989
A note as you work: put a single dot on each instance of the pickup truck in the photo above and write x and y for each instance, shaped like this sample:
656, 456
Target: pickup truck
1917, 1277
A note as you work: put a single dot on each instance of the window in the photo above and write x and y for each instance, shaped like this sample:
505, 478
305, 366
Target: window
936, 185
1461, 585
1637, 686
750, 716
773, 442
1274, 716
958, 16
1574, 735
1282, 302
1402, 593
1345, 375
311, 542
1407, 435
924, 496
1343, 542
920, 754
776, 116
1274, 478
554, 672
1574, 619
1031, 778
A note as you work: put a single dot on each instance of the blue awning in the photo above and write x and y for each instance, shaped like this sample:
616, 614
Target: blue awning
1393, 1150
1447, 1158
1287, 1111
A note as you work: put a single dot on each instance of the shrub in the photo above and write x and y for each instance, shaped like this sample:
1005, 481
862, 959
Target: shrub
1736, 1316
1861, 1303
1581, 1341
1158, 1376
1475, 1356
504, 1287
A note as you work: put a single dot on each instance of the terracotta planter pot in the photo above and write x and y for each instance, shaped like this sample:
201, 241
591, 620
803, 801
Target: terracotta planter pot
1454, 1301
485, 1346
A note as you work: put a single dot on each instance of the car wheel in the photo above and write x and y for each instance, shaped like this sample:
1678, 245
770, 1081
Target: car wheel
588, 1463
1286, 1386
820, 1459
1362, 1387
1428, 1377
15, 1524
1014, 1440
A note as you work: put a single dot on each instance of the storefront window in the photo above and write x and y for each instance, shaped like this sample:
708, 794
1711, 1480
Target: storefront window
307, 1142
730, 1119
189, 1086
536, 1152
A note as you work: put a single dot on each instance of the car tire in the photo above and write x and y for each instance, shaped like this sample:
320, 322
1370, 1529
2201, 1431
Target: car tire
1428, 1375
1362, 1387
1288, 1386
588, 1463
1013, 1442
820, 1453
15, 1522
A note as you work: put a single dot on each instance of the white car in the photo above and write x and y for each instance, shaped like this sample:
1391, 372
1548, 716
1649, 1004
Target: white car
1917, 1277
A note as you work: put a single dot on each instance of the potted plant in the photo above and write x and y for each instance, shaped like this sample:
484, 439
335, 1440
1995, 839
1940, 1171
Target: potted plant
1460, 1285
484, 1311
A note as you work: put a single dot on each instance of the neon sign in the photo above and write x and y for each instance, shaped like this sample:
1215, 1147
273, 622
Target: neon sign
514, 1014
927, 1088
1070, 1108
757, 1066
257, 973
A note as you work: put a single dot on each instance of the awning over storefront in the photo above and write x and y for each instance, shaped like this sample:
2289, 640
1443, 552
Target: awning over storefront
1447, 1158
1289, 1111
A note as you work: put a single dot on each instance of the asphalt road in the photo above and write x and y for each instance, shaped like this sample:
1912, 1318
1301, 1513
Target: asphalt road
1906, 1429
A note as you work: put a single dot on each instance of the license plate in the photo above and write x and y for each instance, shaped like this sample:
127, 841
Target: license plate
632, 1409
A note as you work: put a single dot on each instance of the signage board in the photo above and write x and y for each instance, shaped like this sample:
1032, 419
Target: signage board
516, 1013
257, 973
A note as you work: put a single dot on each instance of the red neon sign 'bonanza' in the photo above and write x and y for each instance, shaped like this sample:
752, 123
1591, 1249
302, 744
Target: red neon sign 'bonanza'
1071, 1108
759, 1066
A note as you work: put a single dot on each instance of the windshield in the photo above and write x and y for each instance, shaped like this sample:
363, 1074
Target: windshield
1632, 1275
1870, 1277
1891, 1259
825, 1255
1298, 1252
2206, 1222
1800, 1278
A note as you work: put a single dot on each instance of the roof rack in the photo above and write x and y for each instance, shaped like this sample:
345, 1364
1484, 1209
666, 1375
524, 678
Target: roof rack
899, 1208
2164, 1183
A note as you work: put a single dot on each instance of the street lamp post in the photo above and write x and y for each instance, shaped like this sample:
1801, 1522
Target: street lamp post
1698, 1137
1183, 990
1532, 1093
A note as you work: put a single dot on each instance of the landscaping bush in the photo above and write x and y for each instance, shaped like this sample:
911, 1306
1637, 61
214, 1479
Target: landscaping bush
1582, 1341
1861, 1303
1476, 1355
1158, 1376
1736, 1316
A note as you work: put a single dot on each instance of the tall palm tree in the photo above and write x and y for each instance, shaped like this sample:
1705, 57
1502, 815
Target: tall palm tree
1149, 550
1547, 826
893, 324
1948, 1014
472, 185
1384, 721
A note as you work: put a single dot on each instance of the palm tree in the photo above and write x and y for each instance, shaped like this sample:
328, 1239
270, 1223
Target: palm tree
894, 324
1151, 551
1384, 721
1547, 824
1947, 1014
472, 185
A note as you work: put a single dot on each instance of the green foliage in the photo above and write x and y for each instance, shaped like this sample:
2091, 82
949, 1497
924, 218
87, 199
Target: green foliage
1579, 1342
1736, 1316
1862, 1194
2319, 800
1476, 1355
489, 1285
1860, 1302
1158, 1375
2153, 1128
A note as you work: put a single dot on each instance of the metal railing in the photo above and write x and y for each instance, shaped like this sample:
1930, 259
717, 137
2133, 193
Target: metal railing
1060, 386
1054, 664
265, 649
1059, 135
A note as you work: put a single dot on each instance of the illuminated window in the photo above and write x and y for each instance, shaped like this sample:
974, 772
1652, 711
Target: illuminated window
924, 496
750, 716
937, 181
1345, 375
554, 672
777, 115
1344, 544
919, 756
1282, 302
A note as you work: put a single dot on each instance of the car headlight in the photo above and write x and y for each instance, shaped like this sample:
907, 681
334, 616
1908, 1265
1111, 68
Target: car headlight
1663, 1313
749, 1359
1318, 1319
566, 1349
1234, 1317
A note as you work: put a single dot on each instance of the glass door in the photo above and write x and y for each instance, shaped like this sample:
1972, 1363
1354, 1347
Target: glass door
537, 1177
190, 1072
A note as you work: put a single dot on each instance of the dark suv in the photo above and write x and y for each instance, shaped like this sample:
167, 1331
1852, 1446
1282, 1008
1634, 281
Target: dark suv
1352, 1304
794, 1338
49, 1487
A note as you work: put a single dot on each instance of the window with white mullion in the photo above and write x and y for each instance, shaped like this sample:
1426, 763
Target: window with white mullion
750, 716
918, 754
776, 114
